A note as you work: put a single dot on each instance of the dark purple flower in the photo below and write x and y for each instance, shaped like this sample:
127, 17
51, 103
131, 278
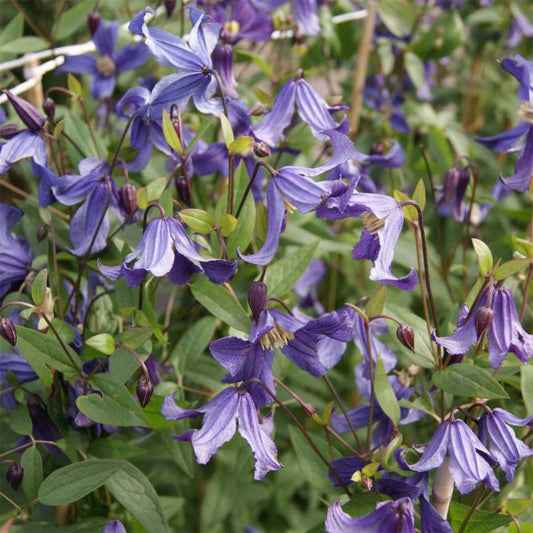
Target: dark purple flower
230, 410
15, 256
383, 219
306, 287
520, 27
165, 248
389, 517
470, 461
501, 439
311, 108
22, 372
104, 69
454, 189
15, 475
505, 333
193, 61
305, 12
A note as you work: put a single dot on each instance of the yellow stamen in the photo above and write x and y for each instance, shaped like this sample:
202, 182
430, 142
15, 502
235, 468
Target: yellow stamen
372, 223
277, 337
105, 66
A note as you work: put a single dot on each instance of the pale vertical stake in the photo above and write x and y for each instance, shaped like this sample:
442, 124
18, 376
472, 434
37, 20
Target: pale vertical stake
360, 68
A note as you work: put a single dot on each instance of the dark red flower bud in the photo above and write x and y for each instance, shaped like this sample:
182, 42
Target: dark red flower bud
93, 21
170, 6
377, 148
15, 475
49, 107
257, 298
483, 320
128, 199
8, 331
42, 233
33, 119
9, 131
406, 336
183, 190
144, 391
261, 149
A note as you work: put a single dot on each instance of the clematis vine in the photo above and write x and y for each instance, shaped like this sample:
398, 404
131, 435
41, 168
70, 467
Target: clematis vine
232, 409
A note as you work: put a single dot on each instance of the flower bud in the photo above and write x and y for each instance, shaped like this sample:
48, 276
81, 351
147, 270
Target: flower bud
42, 233
14, 475
9, 131
49, 107
144, 391
483, 320
257, 110
406, 336
377, 148
261, 149
128, 199
257, 298
8, 331
183, 190
170, 5
33, 119
93, 21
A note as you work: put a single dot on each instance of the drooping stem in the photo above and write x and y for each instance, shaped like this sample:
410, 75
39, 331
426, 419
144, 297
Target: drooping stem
372, 395
526, 291
251, 182
144, 368
121, 142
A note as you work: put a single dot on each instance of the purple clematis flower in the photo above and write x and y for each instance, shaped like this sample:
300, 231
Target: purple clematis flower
104, 69
470, 461
383, 219
389, 517
306, 287
193, 61
15, 255
522, 70
311, 108
505, 333
230, 410
23, 372
165, 248
305, 12
296, 186
502, 441
520, 27
114, 526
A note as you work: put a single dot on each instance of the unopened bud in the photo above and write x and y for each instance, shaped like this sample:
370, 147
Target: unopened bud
31, 117
377, 148
42, 233
257, 110
483, 320
169, 7
257, 298
128, 199
9, 131
15, 475
297, 38
261, 149
8, 331
406, 336
144, 391
93, 21
49, 107
183, 190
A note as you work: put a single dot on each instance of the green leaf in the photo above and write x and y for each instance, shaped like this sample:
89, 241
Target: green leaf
468, 380
151, 193
133, 490
221, 303
240, 144
74, 86
522, 246
442, 38
73, 482
283, 274
510, 268
72, 19
397, 15
228, 224
484, 256
24, 45
116, 407
198, 220
103, 342
517, 506
415, 69
170, 133
227, 131
38, 288
193, 343
526, 379
419, 195
375, 304
385, 394
41, 349
148, 314
20, 421
134, 338
32, 464
409, 211
479, 522
261, 62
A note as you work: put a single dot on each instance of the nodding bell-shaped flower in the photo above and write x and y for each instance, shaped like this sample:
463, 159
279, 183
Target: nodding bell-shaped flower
15, 475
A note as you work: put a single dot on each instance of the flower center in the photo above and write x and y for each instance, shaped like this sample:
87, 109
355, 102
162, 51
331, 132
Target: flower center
372, 223
231, 27
277, 337
526, 112
105, 66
